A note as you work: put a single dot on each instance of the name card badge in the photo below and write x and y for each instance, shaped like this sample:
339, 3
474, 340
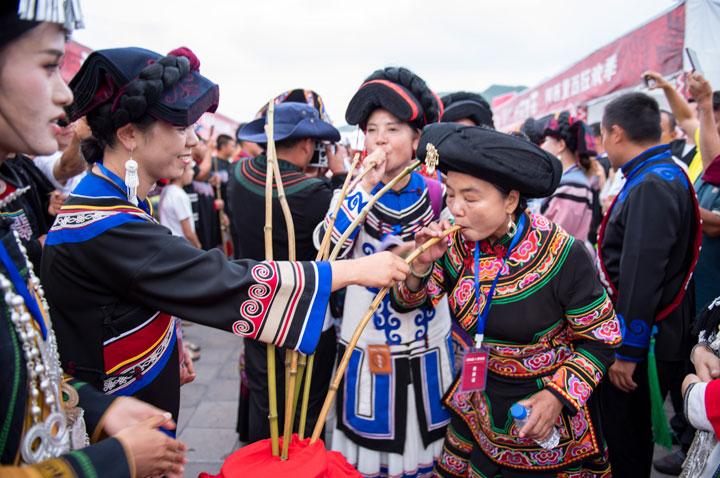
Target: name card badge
474, 370
380, 360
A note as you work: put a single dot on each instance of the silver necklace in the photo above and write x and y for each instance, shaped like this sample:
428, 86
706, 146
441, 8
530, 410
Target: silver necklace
53, 435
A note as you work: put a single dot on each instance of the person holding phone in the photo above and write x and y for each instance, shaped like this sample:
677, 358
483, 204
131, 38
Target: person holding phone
685, 118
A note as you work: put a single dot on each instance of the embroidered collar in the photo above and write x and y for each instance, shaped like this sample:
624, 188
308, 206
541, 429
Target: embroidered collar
637, 160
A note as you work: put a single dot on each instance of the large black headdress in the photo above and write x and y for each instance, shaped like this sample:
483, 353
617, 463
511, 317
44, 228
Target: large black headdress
467, 105
399, 91
501, 159
132, 82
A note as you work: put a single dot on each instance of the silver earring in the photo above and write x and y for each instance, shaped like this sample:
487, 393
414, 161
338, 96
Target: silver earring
132, 181
512, 228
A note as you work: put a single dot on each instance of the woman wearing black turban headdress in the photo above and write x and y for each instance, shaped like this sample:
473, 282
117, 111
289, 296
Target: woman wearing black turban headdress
390, 422
529, 295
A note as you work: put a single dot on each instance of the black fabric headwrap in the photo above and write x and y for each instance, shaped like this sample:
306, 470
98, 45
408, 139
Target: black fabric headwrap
399, 91
501, 159
386, 95
467, 105
107, 74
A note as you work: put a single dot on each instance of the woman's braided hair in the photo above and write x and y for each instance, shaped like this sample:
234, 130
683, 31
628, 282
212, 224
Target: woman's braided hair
416, 86
132, 104
568, 131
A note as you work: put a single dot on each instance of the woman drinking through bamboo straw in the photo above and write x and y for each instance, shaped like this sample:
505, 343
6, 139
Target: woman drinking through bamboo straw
544, 328
390, 422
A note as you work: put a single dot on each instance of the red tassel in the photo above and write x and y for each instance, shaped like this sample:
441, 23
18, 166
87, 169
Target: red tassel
187, 53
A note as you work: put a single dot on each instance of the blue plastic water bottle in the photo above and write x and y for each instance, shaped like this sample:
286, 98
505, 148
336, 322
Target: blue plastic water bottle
521, 415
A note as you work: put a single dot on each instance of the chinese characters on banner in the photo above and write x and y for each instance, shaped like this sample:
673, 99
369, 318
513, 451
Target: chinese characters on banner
656, 45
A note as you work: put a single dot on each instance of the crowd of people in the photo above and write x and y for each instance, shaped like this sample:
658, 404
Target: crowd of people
580, 288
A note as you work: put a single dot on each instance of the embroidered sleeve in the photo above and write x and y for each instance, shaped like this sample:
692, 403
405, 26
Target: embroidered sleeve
355, 201
404, 300
282, 303
593, 329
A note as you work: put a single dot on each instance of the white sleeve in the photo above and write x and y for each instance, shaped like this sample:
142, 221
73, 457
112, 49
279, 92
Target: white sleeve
695, 407
46, 164
175, 202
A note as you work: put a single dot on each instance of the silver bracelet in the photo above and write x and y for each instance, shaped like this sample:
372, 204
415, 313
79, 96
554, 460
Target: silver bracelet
421, 276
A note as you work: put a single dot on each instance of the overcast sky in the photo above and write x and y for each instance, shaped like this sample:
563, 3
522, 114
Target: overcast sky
257, 49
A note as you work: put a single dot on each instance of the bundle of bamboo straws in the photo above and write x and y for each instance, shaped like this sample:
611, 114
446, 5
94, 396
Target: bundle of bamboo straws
297, 363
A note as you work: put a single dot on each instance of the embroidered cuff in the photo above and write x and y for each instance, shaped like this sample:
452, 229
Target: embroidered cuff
575, 390
316, 315
562, 396
409, 299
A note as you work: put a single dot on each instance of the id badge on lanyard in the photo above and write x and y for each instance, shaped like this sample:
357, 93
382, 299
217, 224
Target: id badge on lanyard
475, 361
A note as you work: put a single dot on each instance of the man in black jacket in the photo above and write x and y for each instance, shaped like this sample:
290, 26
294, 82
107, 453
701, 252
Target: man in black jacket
648, 247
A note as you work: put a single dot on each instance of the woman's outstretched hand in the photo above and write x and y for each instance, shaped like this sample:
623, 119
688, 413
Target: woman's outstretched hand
376, 270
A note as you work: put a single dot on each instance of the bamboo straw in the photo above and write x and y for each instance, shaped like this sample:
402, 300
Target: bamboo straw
356, 336
370, 205
291, 373
302, 363
291, 359
272, 385
306, 397
324, 245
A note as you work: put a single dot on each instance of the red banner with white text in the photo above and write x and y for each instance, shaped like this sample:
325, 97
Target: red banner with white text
657, 45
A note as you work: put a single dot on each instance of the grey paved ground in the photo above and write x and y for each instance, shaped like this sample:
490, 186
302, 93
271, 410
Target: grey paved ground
208, 407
